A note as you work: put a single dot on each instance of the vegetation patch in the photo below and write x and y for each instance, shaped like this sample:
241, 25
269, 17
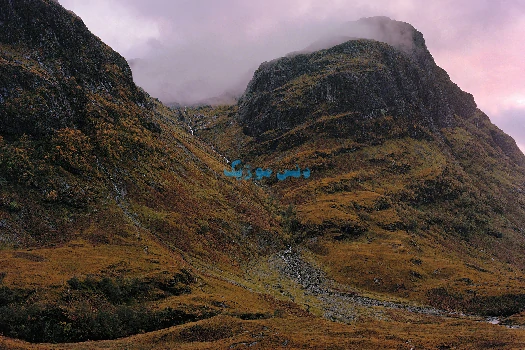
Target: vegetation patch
126, 291
496, 305
96, 309
53, 324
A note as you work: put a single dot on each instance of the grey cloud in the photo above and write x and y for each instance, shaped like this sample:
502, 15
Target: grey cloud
512, 121
213, 46
395, 33
207, 48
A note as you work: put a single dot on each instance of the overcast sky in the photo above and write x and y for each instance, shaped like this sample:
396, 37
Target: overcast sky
187, 50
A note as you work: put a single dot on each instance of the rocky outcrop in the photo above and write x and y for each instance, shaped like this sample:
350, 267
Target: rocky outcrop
364, 76
50, 64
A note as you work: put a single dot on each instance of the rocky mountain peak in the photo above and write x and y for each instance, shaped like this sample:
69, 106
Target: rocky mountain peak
389, 72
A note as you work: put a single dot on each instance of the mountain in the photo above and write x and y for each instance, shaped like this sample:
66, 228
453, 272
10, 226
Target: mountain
105, 197
367, 117
413, 191
120, 229
77, 134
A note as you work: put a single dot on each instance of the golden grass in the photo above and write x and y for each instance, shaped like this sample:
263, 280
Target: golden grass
404, 265
47, 267
300, 332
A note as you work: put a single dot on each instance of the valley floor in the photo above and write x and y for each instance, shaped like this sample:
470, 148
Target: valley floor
310, 311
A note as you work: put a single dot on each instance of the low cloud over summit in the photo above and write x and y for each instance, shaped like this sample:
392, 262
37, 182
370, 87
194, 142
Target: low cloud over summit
194, 51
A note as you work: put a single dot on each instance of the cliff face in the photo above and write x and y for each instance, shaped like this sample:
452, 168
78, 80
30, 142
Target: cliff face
366, 77
51, 66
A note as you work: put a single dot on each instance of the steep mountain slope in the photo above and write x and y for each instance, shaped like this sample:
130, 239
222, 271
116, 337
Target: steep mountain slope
77, 132
104, 198
413, 191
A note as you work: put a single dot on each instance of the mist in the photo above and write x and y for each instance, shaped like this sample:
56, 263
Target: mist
216, 71
192, 51
203, 51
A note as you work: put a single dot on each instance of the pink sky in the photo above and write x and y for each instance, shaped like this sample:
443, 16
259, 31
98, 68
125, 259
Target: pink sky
209, 46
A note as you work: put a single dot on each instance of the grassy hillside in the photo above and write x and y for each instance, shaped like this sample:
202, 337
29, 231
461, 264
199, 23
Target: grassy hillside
105, 199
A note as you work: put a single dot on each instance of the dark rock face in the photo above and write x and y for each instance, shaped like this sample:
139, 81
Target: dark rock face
69, 111
50, 62
368, 77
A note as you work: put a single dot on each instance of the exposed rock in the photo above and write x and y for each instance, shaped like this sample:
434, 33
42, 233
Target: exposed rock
366, 77
51, 64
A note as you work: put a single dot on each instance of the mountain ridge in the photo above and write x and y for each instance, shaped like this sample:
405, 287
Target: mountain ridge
398, 92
